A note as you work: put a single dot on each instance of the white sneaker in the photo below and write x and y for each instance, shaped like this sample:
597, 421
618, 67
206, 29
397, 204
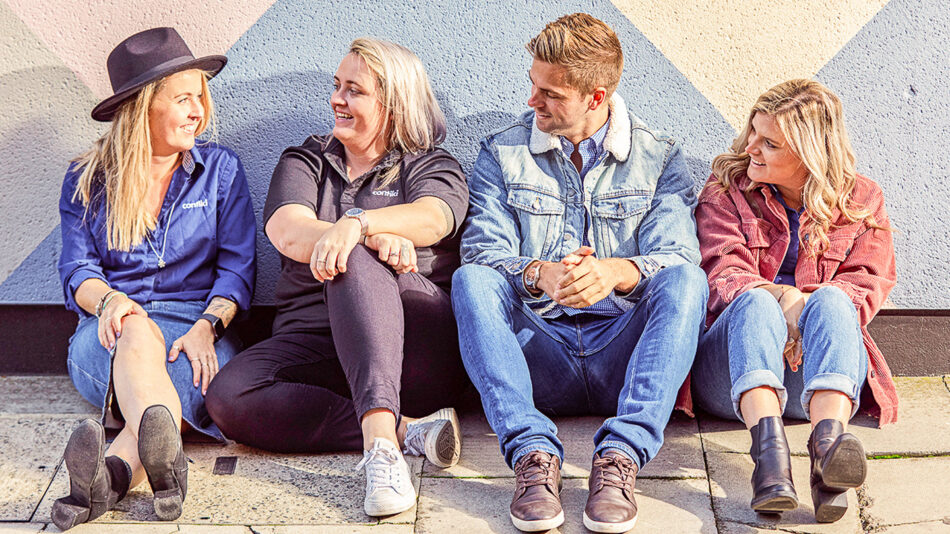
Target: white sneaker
389, 487
437, 436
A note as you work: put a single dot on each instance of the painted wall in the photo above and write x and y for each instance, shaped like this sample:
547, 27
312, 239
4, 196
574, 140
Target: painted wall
692, 69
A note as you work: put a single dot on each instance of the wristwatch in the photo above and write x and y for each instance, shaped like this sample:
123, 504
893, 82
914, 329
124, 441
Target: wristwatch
531, 277
359, 215
216, 323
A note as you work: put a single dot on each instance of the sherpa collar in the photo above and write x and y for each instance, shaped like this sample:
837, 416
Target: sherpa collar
617, 141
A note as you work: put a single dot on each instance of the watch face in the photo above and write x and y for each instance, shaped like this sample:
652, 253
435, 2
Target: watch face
354, 212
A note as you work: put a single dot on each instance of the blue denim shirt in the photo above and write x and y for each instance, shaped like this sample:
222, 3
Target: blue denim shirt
528, 202
206, 227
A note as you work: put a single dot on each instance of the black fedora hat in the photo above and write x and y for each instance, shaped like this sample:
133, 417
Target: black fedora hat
145, 57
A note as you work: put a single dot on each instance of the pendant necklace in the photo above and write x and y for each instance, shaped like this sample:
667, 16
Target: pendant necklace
161, 257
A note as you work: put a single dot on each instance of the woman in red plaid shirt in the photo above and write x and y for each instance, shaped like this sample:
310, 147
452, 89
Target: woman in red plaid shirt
798, 251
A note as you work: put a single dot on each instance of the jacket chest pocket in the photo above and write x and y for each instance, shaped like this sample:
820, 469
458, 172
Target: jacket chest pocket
616, 220
540, 218
838, 250
758, 237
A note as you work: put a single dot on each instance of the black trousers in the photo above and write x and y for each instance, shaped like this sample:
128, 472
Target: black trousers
392, 344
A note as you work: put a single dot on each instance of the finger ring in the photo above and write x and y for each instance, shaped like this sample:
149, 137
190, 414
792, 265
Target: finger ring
394, 253
204, 364
321, 261
176, 347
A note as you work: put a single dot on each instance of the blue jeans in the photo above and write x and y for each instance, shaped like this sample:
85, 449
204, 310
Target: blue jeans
628, 367
90, 364
742, 350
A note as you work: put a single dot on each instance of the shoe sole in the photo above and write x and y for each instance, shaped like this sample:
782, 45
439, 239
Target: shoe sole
599, 526
159, 445
88, 436
537, 525
776, 503
444, 442
390, 509
845, 465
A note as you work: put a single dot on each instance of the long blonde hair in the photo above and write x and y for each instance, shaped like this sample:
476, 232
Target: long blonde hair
810, 117
118, 165
412, 121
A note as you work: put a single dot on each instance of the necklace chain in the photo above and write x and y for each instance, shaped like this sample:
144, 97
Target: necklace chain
161, 257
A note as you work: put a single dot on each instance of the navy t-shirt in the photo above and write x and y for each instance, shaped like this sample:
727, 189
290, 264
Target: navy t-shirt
314, 175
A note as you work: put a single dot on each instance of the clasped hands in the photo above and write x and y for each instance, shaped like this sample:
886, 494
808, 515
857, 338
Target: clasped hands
332, 250
792, 301
581, 279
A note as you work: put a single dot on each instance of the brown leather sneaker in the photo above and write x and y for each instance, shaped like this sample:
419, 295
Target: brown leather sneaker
611, 506
536, 505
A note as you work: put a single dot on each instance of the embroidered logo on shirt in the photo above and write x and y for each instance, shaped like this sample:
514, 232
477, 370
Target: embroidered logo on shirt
203, 203
386, 193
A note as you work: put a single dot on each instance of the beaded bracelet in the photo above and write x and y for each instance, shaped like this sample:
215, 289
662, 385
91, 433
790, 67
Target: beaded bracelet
113, 293
102, 299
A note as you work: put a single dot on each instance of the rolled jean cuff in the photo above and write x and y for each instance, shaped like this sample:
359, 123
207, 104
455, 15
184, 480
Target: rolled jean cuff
832, 382
536, 444
620, 446
754, 379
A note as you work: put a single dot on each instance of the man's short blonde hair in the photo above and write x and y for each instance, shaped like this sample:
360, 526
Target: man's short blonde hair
586, 47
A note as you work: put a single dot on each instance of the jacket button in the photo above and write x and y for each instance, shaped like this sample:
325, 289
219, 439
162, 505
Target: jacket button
568, 237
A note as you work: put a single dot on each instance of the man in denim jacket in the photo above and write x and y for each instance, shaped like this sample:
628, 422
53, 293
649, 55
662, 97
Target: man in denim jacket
580, 291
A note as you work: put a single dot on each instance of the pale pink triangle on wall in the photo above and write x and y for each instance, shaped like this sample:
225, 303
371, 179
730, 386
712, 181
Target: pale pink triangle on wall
83, 33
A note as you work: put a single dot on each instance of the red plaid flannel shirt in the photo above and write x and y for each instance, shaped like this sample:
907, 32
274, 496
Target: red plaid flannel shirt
743, 247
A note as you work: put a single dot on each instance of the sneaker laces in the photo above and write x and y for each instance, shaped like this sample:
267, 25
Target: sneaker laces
415, 443
615, 470
382, 468
535, 469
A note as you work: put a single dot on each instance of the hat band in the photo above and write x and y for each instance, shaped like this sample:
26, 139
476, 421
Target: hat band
158, 71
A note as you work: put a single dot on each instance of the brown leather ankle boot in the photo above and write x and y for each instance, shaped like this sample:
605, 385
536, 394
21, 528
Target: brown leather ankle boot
772, 488
837, 464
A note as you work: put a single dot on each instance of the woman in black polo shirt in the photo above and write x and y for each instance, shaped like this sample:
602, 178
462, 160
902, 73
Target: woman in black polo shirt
366, 220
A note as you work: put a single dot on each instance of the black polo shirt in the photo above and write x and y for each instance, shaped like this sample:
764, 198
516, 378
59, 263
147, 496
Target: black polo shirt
314, 175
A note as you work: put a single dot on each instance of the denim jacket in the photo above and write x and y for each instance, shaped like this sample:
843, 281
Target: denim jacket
528, 202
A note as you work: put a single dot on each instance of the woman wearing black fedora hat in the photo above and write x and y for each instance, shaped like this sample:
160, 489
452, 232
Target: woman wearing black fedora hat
158, 257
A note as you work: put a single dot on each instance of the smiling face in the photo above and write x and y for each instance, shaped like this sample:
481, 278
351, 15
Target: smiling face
358, 112
772, 161
559, 109
176, 113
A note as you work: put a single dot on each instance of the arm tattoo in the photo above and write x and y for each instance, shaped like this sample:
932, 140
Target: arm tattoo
223, 308
449, 217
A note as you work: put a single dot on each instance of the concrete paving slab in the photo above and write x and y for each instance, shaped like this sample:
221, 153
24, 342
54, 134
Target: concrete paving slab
680, 457
335, 529
119, 528
731, 473
476, 505
32, 449
42, 394
923, 425
923, 420
932, 527
265, 489
909, 490
214, 529
21, 528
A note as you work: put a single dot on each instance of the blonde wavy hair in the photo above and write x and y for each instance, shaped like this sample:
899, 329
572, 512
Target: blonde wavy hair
413, 121
810, 117
117, 167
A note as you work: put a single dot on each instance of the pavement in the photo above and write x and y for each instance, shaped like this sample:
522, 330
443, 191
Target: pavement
699, 482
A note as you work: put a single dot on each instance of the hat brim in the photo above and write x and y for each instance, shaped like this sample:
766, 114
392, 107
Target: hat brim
106, 110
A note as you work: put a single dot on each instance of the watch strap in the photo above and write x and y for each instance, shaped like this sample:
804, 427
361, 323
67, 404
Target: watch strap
531, 278
216, 323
